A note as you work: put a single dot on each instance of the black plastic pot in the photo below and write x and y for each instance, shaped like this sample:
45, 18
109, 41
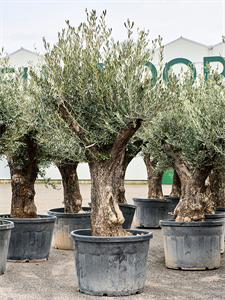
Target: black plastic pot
192, 245
31, 239
5, 232
173, 203
128, 211
220, 210
67, 222
218, 216
150, 211
111, 266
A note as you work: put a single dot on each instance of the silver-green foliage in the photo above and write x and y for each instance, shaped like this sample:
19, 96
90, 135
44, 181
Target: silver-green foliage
102, 83
195, 127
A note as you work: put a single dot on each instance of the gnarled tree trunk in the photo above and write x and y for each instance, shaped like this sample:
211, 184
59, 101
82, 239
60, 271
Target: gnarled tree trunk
22, 182
154, 178
176, 186
215, 188
194, 203
106, 217
72, 196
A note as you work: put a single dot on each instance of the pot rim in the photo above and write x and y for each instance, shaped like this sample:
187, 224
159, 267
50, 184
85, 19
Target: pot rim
219, 208
173, 223
215, 216
84, 236
8, 224
128, 205
151, 200
61, 214
173, 198
121, 204
42, 219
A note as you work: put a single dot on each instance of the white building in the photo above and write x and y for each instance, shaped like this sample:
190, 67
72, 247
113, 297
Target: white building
179, 48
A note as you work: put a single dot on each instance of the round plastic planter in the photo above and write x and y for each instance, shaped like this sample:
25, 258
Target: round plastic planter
67, 222
218, 216
31, 239
128, 211
150, 211
220, 210
192, 245
111, 266
5, 232
173, 203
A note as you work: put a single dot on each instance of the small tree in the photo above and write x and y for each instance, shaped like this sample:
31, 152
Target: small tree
192, 137
102, 91
17, 140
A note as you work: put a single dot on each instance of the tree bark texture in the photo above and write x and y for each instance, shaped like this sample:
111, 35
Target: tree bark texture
106, 216
154, 178
194, 203
72, 196
176, 186
215, 188
22, 183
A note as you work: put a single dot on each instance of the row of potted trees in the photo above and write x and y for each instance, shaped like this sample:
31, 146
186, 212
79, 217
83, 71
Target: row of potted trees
96, 100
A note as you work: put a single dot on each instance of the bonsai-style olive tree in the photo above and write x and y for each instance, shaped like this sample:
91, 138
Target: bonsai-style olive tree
192, 137
101, 89
17, 141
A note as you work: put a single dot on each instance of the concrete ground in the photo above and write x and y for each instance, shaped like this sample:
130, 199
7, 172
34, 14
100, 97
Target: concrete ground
55, 279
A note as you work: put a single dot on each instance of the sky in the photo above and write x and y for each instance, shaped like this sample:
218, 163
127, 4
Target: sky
25, 23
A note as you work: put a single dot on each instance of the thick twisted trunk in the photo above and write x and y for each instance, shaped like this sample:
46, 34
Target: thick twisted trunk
154, 178
194, 203
22, 182
106, 217
215, 188
176, 186
72, 196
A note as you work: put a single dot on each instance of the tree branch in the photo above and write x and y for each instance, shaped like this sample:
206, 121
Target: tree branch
179, 166
123, 138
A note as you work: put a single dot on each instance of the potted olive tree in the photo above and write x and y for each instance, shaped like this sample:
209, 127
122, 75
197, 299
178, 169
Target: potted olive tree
101, 89
5, 108
18, 142
191, 136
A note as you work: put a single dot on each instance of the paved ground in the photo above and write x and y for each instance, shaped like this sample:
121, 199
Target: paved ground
55, 279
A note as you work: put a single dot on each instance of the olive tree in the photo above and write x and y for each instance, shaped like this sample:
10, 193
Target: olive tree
17, 141
101, 89
192, 137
